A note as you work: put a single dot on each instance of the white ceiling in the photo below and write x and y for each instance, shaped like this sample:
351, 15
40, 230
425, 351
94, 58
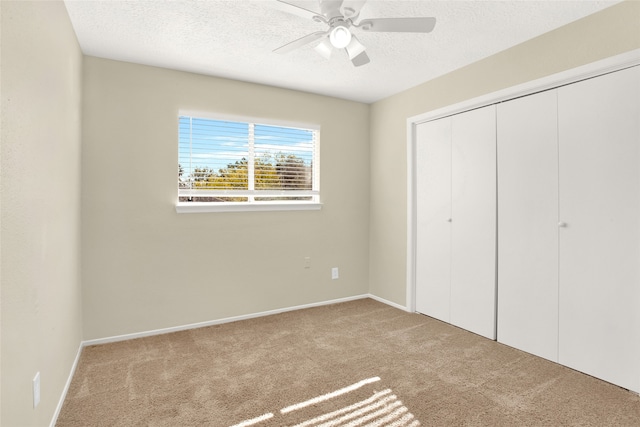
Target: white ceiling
235, 39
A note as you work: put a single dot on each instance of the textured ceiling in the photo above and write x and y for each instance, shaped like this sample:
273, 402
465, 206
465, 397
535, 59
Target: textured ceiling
235, 39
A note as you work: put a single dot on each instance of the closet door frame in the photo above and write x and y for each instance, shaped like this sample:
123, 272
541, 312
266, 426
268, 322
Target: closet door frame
614, 63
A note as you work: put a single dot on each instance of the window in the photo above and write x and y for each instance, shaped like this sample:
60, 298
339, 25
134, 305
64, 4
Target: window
238, 165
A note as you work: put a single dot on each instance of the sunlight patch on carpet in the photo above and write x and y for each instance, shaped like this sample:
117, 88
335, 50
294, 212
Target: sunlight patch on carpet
382, 409
328, 396
254, 421
356, 407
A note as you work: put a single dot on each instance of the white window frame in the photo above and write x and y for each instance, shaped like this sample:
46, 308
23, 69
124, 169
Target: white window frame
251, 205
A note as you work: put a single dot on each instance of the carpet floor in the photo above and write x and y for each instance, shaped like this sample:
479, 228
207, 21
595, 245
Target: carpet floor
359, 363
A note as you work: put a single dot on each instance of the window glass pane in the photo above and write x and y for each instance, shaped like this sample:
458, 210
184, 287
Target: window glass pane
283, 158
212, 154
225, 161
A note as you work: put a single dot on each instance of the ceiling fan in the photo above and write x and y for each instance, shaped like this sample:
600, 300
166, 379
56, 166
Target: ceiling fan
341, 16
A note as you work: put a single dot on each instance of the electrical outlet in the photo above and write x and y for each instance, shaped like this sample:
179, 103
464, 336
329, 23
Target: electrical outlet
307, 262
334, 273
36, 390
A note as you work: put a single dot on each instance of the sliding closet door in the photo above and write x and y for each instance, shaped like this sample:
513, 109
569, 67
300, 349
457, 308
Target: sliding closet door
433, 204
528, 224
473, 231
599, 132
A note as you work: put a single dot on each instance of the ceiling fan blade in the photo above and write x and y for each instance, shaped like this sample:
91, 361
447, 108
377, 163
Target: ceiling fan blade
295, 9
330, 8
324, 48
398, 25
361, 59
351, 8
309, 38
354, 48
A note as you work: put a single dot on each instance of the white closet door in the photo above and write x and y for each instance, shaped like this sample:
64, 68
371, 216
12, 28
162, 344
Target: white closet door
473, 235
599, 132
433, 204
528, 224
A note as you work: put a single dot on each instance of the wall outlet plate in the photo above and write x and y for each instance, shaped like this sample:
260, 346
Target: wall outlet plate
334, 273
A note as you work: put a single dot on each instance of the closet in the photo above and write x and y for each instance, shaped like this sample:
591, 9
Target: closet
456, 227
599, 234
569, 226
566, 201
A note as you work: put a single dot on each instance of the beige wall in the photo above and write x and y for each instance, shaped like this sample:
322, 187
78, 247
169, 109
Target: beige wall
146, 267
40, 207
612, 31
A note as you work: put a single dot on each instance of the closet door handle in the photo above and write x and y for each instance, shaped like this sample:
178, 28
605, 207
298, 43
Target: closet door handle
563, 224
450, 220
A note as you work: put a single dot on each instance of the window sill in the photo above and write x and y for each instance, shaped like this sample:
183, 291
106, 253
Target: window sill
204, 207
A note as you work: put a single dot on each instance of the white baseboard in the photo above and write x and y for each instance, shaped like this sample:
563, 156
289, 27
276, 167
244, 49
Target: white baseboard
65, 390
216, 322
387, 302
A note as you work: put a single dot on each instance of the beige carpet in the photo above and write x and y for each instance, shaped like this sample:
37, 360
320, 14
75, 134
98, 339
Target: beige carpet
351, 364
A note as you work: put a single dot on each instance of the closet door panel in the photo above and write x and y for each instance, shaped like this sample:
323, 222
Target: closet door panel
528, 224
473, 235
599, 131
433, 200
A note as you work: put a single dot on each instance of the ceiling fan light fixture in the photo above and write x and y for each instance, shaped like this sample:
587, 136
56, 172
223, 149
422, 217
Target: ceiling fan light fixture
324, 48
354, 48
340, 37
